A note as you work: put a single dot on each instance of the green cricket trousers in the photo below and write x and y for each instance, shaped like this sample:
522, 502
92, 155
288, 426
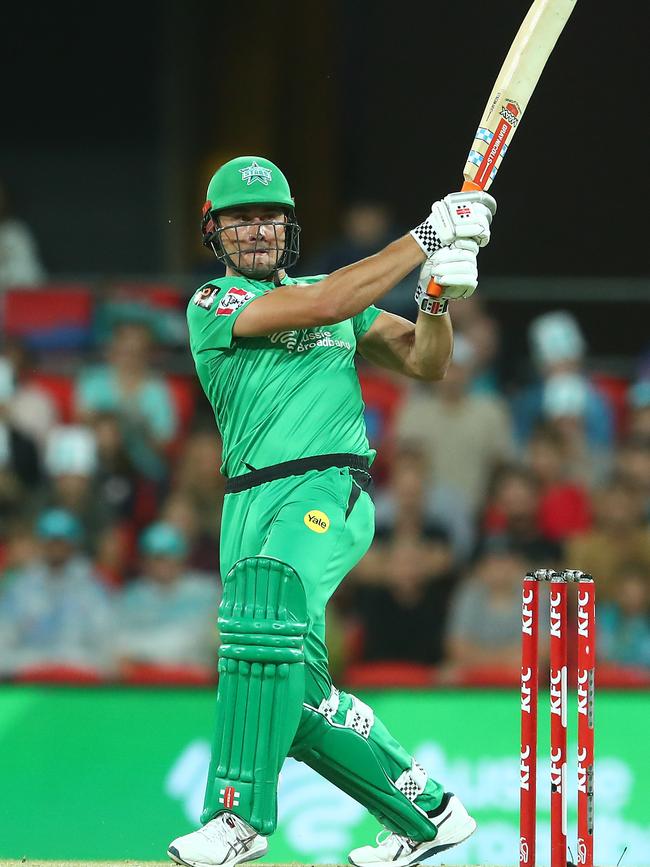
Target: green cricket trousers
290, 534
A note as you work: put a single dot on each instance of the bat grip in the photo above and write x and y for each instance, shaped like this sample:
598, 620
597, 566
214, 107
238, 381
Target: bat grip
434, 288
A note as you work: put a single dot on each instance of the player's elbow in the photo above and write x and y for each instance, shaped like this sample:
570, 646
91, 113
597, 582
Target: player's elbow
441, 371
432, 372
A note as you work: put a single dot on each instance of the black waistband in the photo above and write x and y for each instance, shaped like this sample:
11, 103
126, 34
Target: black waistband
295, 468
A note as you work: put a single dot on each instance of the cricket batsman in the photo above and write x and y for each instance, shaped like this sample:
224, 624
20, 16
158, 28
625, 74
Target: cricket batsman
275, 357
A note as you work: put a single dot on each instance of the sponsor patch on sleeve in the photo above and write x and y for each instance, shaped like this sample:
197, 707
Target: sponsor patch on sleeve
205, 297
233, 300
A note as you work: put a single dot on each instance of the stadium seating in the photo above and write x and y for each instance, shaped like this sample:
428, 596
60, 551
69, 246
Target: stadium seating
52, 317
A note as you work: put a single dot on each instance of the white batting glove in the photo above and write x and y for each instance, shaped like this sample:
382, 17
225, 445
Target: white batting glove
457, 216
455, 269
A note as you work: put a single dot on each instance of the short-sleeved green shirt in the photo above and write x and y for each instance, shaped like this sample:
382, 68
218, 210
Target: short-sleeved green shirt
290, 395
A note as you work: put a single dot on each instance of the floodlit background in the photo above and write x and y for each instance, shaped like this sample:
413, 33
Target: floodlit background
534, 452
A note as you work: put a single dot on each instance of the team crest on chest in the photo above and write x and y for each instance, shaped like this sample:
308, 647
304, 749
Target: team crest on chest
255, 173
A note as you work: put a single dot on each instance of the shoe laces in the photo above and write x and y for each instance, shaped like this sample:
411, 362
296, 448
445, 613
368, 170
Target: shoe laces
220, 829
389, 840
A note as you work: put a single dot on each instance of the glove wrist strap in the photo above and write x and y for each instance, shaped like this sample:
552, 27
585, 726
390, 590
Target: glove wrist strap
427, 237
430, 305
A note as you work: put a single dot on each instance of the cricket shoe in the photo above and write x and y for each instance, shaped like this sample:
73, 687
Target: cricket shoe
225, 840
454, 825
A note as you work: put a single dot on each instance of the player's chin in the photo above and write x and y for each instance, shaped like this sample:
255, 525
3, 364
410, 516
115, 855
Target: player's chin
259, 264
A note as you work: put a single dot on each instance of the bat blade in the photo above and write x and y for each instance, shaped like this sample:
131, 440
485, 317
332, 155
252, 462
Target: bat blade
512, 90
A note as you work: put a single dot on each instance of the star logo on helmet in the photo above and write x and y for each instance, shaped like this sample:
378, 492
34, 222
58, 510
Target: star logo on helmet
255, 172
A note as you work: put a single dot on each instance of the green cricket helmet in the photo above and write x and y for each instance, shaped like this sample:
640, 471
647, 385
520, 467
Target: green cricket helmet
247, 181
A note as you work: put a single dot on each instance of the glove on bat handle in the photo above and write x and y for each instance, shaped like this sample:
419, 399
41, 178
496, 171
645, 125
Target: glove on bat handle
434, 288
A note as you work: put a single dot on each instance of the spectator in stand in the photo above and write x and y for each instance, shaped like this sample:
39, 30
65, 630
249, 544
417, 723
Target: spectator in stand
565, 400
19, 550
402, 606
114, 554
367, 225
624, 623
513, 509
116, 479
484, 624
71, 481
564, 505
19, 461
558, 347
168, 615
464, 436
620, 535
197, 477
19, 261
128, 387
382, 392
482, 331
639, 402
410, 506
633, 465
31, 409
55, 610
200, 536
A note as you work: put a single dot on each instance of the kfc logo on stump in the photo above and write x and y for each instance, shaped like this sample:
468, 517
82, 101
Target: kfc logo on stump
233, 300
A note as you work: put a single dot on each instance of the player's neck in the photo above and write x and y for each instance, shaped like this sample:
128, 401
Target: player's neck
230, 272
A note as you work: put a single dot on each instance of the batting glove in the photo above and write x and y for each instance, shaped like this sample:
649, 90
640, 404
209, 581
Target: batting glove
455, 269
457, 216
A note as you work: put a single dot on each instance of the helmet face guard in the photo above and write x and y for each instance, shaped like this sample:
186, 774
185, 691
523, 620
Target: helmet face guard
283, 252
241, 183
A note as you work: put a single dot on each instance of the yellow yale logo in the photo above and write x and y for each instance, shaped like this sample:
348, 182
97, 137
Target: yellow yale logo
317, 521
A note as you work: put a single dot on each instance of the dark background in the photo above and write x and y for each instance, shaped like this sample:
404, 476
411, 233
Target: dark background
114, 117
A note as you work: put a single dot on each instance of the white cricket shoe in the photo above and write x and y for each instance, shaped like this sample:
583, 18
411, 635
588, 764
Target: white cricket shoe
225, 840
454, 825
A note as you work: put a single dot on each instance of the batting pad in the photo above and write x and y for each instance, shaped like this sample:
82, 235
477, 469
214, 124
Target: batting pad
262, 620
345, 743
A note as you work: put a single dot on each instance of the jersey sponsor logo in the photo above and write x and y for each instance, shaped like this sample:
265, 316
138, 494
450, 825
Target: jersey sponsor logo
304, 340
233, 300
205, 297
317, 521
286, 338
256, 173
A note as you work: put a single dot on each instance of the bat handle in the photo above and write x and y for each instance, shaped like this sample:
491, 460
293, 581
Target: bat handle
434, 288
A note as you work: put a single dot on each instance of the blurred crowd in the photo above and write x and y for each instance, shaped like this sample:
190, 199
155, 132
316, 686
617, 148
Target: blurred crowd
110, 505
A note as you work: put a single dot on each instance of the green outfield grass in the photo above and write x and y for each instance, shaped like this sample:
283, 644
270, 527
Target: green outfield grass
37, 862
30, 862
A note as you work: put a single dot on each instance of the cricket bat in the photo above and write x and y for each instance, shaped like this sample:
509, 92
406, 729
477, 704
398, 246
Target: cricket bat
512, 89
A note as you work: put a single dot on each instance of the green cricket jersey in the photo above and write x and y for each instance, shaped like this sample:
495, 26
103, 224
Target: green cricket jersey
290, 395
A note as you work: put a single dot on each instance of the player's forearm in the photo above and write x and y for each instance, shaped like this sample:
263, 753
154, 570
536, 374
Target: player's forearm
432, 346
348, 291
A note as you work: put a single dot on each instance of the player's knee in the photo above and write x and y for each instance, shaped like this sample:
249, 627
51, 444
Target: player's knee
340, 709
263, 612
